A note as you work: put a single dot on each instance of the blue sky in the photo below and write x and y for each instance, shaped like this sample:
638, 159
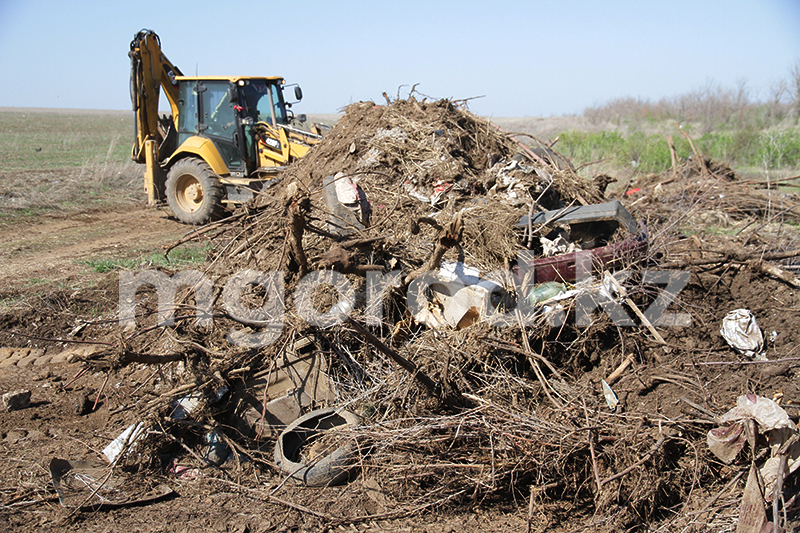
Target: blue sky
525, 58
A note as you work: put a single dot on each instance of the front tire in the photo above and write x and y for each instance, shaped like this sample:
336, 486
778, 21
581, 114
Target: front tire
194, 192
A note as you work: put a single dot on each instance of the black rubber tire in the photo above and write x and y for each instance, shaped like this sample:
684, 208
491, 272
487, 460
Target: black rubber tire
553, 157
331, 469
549, 156
194, 192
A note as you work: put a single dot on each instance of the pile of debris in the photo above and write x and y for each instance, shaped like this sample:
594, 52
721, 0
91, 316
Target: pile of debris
423, 301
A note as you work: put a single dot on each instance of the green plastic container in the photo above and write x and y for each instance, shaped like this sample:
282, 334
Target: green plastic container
545, 291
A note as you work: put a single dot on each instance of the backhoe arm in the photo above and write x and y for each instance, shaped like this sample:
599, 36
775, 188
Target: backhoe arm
150, 72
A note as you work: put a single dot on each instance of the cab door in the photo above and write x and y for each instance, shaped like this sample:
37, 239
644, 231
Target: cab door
211, 114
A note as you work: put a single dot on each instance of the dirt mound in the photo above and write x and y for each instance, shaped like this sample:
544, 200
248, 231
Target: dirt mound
411, 167
411, 144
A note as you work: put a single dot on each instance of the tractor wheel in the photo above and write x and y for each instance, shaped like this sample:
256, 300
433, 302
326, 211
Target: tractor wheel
194, 192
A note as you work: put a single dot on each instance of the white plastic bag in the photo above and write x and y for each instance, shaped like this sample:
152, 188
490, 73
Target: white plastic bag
740, 329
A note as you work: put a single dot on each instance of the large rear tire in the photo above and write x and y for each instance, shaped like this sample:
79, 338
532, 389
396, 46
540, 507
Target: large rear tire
194, 192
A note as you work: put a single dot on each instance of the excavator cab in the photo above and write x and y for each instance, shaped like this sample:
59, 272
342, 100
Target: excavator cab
205, 110
225, 138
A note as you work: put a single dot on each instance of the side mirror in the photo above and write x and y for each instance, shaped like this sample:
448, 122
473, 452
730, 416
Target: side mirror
298, 93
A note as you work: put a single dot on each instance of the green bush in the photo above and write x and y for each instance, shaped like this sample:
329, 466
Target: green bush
776, 148
583, 147
725, 124
738, 147
779, 148
648, 153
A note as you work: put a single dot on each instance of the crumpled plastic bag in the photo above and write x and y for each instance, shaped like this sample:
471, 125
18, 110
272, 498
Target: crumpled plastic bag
740, 329
766, 412
727, 441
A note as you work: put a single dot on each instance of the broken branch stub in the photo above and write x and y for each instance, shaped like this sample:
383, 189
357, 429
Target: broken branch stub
450, 236
297, 205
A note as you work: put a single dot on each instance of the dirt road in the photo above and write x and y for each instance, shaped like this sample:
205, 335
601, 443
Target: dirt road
55, 247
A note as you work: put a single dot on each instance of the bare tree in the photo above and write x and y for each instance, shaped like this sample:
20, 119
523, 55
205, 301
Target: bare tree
778, 92
795, 84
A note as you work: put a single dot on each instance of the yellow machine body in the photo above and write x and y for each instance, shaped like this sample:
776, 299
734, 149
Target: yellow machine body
229, 133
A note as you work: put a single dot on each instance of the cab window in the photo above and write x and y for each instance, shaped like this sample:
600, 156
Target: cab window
187, 119
257, 95
280, 109
217, 109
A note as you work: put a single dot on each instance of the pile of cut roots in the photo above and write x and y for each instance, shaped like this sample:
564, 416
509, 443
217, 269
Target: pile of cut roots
513, 414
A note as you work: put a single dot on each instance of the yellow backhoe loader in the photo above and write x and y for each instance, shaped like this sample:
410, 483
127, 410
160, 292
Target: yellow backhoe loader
226, 137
